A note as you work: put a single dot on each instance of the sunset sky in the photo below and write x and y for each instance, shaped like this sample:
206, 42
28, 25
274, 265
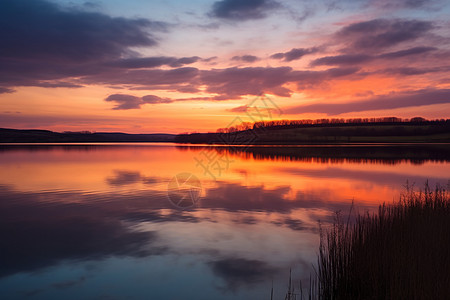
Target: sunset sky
172, 66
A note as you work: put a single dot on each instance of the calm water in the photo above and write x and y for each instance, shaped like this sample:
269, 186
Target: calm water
96, 222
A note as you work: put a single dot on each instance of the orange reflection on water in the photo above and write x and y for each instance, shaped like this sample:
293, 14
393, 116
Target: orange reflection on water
127, 168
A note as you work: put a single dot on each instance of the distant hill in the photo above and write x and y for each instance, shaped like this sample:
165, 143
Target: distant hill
46, 136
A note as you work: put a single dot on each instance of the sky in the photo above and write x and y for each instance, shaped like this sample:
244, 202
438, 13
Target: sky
146, 66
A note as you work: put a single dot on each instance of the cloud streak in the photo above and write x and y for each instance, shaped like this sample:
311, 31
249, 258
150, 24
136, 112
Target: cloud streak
242, 10
153, 62
353, 59
378, 34
294, 54
124, 101
393, 101
245, 58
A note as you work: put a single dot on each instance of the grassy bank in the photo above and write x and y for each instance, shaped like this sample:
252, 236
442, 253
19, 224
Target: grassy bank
401, 252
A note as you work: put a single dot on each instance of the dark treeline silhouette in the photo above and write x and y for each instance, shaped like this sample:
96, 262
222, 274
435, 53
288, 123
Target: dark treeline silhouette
324, 131
275, 124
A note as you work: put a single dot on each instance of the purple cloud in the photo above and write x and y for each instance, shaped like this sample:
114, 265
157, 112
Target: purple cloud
391, 101
378, 34
236, 82
44, 41
152, 99
407, 52
245, 58
239, 109
4, 90
149, 79
354, 59
294, 54
229, 83
153, 62
411, 71
242, 10
345, 59
124, 101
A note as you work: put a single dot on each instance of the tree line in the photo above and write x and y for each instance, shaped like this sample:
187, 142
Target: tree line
274, 124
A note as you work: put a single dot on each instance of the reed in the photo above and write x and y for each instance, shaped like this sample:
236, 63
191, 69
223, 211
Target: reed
400, 252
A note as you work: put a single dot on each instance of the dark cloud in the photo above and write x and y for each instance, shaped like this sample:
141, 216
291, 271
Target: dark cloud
241, 10
354, 59
4, 90
43, 30
345, 59
43, 41
55, 84
399, 4
125, 101
229, 83
235, 82
151, 79
153, 62
152, 99
184, 61
245, 58
407, 52
391, 101
293, 54
308, 79
378, 34
209, 59
409, 71
415, 3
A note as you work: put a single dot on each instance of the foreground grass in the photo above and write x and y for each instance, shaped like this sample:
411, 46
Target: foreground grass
402, 252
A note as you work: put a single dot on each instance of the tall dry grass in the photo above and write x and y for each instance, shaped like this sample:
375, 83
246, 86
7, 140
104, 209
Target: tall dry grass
401, 252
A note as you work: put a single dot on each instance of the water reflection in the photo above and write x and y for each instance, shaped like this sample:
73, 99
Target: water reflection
358, 153
94, 221
39, 234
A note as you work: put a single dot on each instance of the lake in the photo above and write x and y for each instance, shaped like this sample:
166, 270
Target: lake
160, 221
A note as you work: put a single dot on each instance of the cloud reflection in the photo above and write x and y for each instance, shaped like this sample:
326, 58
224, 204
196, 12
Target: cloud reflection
42, 229
123, 177
240, 271
36, 235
